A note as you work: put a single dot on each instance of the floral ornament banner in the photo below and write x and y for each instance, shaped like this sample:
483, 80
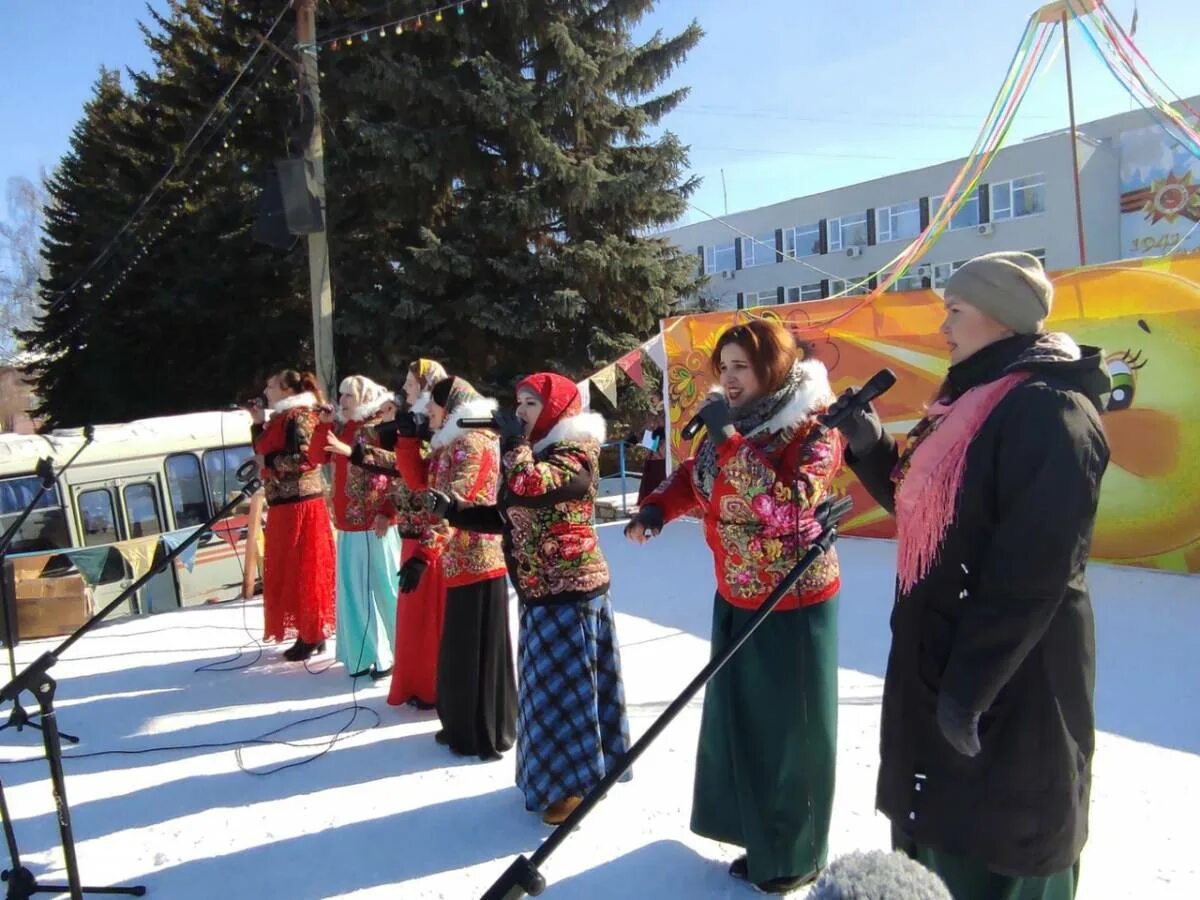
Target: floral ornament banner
1145, 314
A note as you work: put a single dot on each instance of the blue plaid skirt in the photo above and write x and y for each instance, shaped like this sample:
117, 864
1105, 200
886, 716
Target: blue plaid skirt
571, 725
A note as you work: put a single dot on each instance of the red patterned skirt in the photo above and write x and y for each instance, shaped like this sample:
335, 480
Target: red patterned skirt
299, 576
418, 635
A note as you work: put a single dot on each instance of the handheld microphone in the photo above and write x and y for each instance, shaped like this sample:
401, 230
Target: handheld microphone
489, 422
880, 382
693, 427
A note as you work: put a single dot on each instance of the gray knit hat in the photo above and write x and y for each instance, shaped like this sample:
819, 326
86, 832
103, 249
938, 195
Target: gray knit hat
1010, 287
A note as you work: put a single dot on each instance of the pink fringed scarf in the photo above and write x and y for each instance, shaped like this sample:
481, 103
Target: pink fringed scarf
927, 491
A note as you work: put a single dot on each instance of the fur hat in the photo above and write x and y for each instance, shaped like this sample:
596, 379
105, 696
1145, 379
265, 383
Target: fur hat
1010, 287
878, 876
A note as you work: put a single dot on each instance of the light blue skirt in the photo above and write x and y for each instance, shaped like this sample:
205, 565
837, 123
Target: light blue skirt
366, 598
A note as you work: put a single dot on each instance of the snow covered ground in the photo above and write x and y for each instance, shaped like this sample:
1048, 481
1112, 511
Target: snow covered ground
388, 813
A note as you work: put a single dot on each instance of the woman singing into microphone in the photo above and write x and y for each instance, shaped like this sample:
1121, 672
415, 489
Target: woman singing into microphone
368, 548
768, 735
571, 725
298, 562
476, 689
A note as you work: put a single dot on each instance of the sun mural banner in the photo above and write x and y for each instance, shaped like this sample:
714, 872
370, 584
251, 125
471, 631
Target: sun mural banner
1145, 314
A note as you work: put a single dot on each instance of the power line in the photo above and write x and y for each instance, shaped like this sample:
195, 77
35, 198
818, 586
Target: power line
103, 255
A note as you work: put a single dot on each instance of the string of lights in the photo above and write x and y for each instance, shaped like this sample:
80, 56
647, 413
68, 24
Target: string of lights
413, 23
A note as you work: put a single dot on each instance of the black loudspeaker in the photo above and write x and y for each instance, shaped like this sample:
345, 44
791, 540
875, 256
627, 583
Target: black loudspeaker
297, 184
270, 227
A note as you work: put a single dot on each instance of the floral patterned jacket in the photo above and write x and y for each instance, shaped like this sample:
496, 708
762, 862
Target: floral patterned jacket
465, 464
358, 494
545, 511
289, 474
759, 520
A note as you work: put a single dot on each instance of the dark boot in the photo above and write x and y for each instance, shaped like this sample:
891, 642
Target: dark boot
302, 651
786, 883
739, 868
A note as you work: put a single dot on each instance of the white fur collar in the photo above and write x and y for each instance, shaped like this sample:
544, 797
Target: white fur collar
369, 410
450, 431
813, 393
295, 402
584, 426
421, 407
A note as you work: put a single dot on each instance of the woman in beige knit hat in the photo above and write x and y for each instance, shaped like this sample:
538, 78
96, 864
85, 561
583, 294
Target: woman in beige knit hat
987, 722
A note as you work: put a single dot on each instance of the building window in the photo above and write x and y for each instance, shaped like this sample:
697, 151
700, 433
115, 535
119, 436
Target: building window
751, 299
719, 258
804, 292
1019, 198
943, 271
898, 223
858, 286
1040, 253
801, 241
759, 250
848, 231
967, 215
913, 279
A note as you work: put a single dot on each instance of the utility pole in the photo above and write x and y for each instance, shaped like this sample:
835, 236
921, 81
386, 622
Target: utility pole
319, 284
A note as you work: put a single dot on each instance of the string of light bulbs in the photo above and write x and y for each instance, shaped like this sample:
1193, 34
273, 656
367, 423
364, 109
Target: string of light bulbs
412, 23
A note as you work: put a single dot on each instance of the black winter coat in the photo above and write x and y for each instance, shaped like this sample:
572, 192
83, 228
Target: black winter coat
1003, 623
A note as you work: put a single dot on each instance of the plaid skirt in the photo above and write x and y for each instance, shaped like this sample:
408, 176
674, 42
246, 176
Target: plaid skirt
571, 724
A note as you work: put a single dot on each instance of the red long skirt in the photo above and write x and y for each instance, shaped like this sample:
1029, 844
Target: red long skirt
299, 576
418, 635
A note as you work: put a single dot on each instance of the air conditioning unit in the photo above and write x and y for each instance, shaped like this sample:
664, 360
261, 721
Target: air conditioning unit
726, 273
985, 229
924, 271
852, 252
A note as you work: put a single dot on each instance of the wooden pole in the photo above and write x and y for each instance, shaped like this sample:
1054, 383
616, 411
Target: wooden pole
1074, 142
320, 287
253, 535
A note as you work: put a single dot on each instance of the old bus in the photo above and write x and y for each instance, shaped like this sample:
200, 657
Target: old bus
136, 480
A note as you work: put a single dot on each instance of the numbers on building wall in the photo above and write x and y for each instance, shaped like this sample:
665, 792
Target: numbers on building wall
1150, 244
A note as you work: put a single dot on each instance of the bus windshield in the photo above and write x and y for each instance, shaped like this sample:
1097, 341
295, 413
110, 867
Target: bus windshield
46, 527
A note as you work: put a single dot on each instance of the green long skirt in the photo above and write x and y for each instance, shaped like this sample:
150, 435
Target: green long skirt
971, 880
768, 740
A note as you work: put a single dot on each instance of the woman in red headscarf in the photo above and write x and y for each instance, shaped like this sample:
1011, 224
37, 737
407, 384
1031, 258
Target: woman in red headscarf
571, 725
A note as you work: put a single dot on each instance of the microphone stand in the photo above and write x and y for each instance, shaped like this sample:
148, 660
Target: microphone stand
19, 718
36, 679
522, 877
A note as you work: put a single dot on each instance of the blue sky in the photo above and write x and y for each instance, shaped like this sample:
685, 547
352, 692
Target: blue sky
789, 97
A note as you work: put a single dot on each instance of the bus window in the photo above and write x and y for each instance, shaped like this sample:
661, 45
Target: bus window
186, 487
141, 505
98, 518
46, 527
221, 468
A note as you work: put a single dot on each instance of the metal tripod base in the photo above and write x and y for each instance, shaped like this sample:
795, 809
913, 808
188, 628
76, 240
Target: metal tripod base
22, 885
20, 719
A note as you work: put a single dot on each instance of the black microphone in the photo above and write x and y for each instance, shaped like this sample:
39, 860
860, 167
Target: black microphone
880, 382
692, 428
489, 422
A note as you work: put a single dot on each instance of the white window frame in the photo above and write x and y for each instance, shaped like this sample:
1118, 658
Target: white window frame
912, 279
943, 271
801, 293
791, 235
1039, 254
837, 285
753, 249
935, 203
751, 299
840, 223
1005, 213
887, 216
710, 258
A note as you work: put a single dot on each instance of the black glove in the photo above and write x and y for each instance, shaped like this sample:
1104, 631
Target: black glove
438, 504
862, 428
960, 727
410, 574
512, 429
650, 518
718, 418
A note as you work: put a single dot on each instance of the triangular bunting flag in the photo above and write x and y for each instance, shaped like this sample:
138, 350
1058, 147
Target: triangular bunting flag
654, 349
90, 562
606, 382
139, 553
631, 365
174, 539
